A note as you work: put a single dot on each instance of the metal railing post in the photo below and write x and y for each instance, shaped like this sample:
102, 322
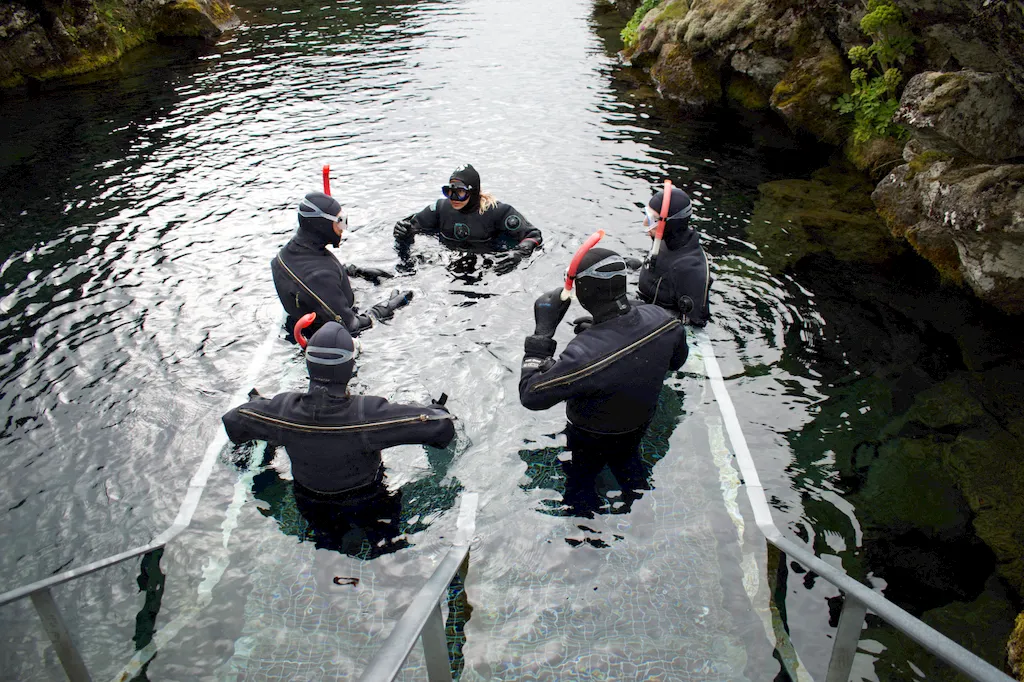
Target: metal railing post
58, 633
435, 647
851, 621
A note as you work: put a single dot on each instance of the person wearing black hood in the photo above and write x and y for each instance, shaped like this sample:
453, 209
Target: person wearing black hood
467, 218
309, 279
611, 373
679, 278
334, 439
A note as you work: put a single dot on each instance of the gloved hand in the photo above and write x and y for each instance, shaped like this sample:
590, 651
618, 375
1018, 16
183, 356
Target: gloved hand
253, 393
384, 311
404, 228
548, 311
582, 323
633, 263
440, 402
373, 275
508, 261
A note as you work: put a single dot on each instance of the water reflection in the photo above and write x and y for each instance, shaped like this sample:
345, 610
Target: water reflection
601, 474
376, 522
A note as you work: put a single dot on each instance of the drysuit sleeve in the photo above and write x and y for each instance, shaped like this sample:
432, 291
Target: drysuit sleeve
543, 381
680, 352
242, 428
408, 425
514, 224
332, 292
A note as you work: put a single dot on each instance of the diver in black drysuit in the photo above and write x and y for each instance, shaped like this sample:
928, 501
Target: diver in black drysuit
459, 222
611, 374
680, 278
334, 439
308, 279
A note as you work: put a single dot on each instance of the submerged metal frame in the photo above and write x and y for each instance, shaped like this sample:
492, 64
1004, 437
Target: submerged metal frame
858, 598
39, 591
423, 618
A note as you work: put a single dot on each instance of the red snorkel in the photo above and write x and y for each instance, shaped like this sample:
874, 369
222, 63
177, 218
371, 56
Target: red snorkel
303, 322
570, 274
327, 180
659, 231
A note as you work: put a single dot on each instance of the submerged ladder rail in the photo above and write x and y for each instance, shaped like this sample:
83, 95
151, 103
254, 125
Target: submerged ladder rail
858, 598
40, 590
423, 618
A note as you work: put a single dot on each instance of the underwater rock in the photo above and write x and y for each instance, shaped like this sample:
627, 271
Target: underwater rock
980, 448
830, 212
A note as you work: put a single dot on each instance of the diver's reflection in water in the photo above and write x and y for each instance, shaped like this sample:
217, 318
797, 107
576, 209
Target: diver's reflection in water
466, 265
601, 473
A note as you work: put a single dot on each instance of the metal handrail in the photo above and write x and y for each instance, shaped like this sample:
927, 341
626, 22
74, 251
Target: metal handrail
39, 590
423, 616
859, 597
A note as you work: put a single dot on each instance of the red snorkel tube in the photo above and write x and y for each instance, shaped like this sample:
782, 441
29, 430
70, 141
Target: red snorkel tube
303, 322
659, 231
570, 274
327, 180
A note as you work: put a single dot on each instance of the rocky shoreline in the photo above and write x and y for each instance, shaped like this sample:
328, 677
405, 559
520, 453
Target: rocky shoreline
949, 185
42, 40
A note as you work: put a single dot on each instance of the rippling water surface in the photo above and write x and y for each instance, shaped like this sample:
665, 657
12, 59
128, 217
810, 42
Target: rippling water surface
139, 214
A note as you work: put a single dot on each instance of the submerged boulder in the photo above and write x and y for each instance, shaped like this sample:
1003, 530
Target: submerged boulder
831, 212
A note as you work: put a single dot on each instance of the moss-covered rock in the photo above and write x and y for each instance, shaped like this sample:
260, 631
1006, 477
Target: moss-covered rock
808, 90
980, 447
876, 156
831, 212
692, 81
1015, 648
964, 216
40, 41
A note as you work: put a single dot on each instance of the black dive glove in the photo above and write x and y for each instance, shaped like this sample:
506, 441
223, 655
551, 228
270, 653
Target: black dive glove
404, 228
633, 263
582, 323
384, 311
374, 275
548, 311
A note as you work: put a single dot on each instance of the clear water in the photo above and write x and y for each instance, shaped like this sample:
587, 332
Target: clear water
139, 212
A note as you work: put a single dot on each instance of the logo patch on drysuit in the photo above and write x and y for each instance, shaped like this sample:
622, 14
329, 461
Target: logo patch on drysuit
461, 231
512, 222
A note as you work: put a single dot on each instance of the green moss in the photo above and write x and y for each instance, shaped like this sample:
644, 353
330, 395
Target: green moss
1015, 648
831, 213
925, 160
691, 80
631, 32
876, 156
949, 89
743, 91
673, 10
